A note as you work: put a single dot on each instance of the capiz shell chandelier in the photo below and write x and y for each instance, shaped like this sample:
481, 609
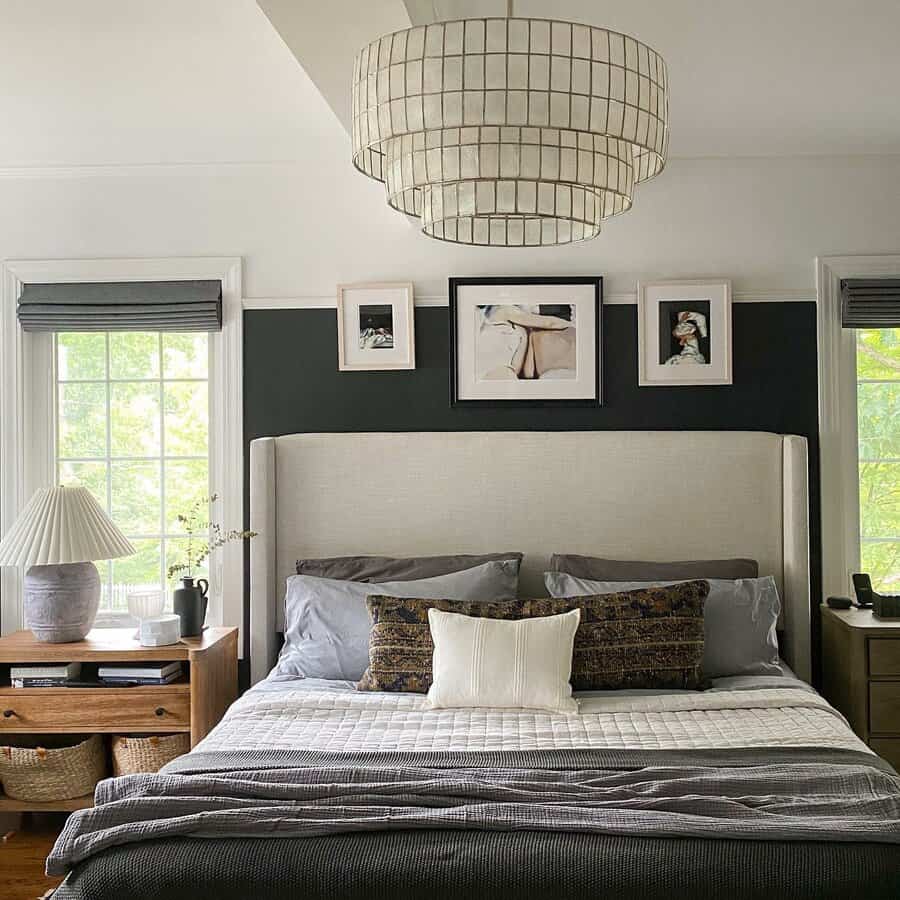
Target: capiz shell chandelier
509, 132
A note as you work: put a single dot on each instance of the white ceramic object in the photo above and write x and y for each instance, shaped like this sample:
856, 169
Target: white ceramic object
146, 604
160, 631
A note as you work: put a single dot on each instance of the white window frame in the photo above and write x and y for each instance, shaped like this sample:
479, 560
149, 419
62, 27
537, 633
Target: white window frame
838, 441
27, 404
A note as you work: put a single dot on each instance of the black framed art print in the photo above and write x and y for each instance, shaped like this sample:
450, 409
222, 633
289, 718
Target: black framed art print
535, 341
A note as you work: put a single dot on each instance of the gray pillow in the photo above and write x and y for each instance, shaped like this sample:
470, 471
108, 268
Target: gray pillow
388, 568
739, 620
327, 622
599, 569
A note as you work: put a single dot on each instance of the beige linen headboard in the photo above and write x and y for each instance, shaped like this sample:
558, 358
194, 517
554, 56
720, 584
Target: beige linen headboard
651, 495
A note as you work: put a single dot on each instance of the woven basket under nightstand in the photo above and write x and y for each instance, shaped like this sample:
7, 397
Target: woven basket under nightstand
132, 755
33, 771
190, 706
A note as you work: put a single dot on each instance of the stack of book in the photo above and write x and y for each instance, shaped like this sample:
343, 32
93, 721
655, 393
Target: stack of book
44, 676
142, 673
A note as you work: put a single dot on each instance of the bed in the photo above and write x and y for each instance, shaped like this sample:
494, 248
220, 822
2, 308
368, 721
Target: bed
755, 787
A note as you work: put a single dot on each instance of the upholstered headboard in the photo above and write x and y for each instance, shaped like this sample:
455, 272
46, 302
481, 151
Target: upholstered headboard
654, 495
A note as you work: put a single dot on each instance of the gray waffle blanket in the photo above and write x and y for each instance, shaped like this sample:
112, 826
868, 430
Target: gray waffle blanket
773, 796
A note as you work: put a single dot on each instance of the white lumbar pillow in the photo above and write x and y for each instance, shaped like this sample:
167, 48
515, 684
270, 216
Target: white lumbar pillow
523, 663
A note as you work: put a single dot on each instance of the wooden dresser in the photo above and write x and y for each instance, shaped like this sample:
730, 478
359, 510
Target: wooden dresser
193, 704
861, 675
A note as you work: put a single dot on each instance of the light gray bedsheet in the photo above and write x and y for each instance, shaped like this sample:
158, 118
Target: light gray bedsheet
275, 683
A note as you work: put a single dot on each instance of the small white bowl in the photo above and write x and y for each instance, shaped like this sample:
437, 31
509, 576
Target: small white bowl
146, 604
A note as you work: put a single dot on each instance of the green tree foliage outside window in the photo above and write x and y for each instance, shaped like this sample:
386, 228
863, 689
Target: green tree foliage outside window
133, 427
878, 416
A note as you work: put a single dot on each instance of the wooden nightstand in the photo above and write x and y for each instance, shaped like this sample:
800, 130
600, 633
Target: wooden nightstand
861, 669
192, 705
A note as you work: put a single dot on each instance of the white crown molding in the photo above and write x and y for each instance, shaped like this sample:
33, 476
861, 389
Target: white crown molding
207, 167
786, 295
132, 170
781, 295
123, 269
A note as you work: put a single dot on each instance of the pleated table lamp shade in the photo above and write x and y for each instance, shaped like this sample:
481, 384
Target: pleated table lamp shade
58, 535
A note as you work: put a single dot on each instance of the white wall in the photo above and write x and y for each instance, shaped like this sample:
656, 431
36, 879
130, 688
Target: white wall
301, 231
186, 127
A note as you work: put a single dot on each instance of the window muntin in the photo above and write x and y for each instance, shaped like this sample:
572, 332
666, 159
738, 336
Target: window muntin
132, 425
878, 423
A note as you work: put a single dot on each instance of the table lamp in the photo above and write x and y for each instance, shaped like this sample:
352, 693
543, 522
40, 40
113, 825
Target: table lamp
58, 535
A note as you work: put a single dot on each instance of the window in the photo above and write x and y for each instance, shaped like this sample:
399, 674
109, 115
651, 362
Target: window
132, 425
878, 423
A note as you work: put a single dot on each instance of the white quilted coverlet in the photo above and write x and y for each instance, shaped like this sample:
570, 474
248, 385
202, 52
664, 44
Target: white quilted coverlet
344, 719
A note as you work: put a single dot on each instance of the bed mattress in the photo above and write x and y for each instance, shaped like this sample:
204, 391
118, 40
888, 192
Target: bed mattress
331, 716
310, 788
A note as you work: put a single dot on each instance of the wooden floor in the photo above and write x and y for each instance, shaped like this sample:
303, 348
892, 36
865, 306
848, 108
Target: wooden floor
24, 846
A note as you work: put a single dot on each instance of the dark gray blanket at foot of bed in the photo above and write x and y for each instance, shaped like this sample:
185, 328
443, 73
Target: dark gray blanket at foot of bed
797, 823
469, 865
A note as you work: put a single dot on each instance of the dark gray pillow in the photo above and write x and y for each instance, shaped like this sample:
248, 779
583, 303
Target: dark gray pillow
598, 569
375, 569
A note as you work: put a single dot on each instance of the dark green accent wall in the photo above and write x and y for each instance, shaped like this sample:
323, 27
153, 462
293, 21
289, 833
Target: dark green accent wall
292, 384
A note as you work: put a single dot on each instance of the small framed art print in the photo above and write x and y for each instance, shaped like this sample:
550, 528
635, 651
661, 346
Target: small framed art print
525, 340
684, 333
376, 327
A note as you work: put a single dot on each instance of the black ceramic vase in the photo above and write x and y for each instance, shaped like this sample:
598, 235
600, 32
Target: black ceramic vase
189, 604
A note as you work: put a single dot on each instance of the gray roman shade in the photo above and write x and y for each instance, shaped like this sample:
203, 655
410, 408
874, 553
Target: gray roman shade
870, 302
122, 306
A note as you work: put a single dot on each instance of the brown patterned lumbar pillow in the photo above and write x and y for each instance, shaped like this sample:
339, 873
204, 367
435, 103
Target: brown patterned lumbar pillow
647, 638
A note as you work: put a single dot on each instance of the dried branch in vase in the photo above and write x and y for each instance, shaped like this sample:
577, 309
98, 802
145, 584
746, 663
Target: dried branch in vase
199, 549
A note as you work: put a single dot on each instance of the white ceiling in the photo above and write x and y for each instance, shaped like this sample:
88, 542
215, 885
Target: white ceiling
748, 77
110, 83
128, 82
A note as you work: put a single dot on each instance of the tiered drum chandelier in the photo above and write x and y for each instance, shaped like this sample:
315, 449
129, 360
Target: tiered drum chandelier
509, 132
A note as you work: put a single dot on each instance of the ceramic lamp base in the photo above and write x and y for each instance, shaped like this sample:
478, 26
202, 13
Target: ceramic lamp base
61, 602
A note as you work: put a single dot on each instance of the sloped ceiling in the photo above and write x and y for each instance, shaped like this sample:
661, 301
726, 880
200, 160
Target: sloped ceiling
325, 36
765, 78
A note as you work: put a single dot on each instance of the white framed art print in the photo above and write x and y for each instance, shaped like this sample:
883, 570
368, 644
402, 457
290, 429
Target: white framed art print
376, 327
684, 333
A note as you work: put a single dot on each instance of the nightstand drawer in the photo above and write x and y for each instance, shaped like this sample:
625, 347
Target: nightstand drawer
884, 707
95, 709
884, 656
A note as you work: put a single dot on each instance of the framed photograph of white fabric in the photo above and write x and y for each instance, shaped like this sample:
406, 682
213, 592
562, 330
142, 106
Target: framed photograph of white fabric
376, 327
684, 333
526, 340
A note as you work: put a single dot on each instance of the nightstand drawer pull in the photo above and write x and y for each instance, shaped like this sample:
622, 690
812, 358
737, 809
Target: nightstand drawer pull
115, 710
8, 713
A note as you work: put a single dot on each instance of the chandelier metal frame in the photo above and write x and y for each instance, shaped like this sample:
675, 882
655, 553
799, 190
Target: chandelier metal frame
509, 131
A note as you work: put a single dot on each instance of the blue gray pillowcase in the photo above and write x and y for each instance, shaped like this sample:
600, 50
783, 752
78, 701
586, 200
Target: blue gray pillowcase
327, 623
739, 619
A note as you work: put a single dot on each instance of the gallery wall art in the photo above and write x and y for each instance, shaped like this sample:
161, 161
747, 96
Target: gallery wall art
376, 327
684, 333
525, 340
